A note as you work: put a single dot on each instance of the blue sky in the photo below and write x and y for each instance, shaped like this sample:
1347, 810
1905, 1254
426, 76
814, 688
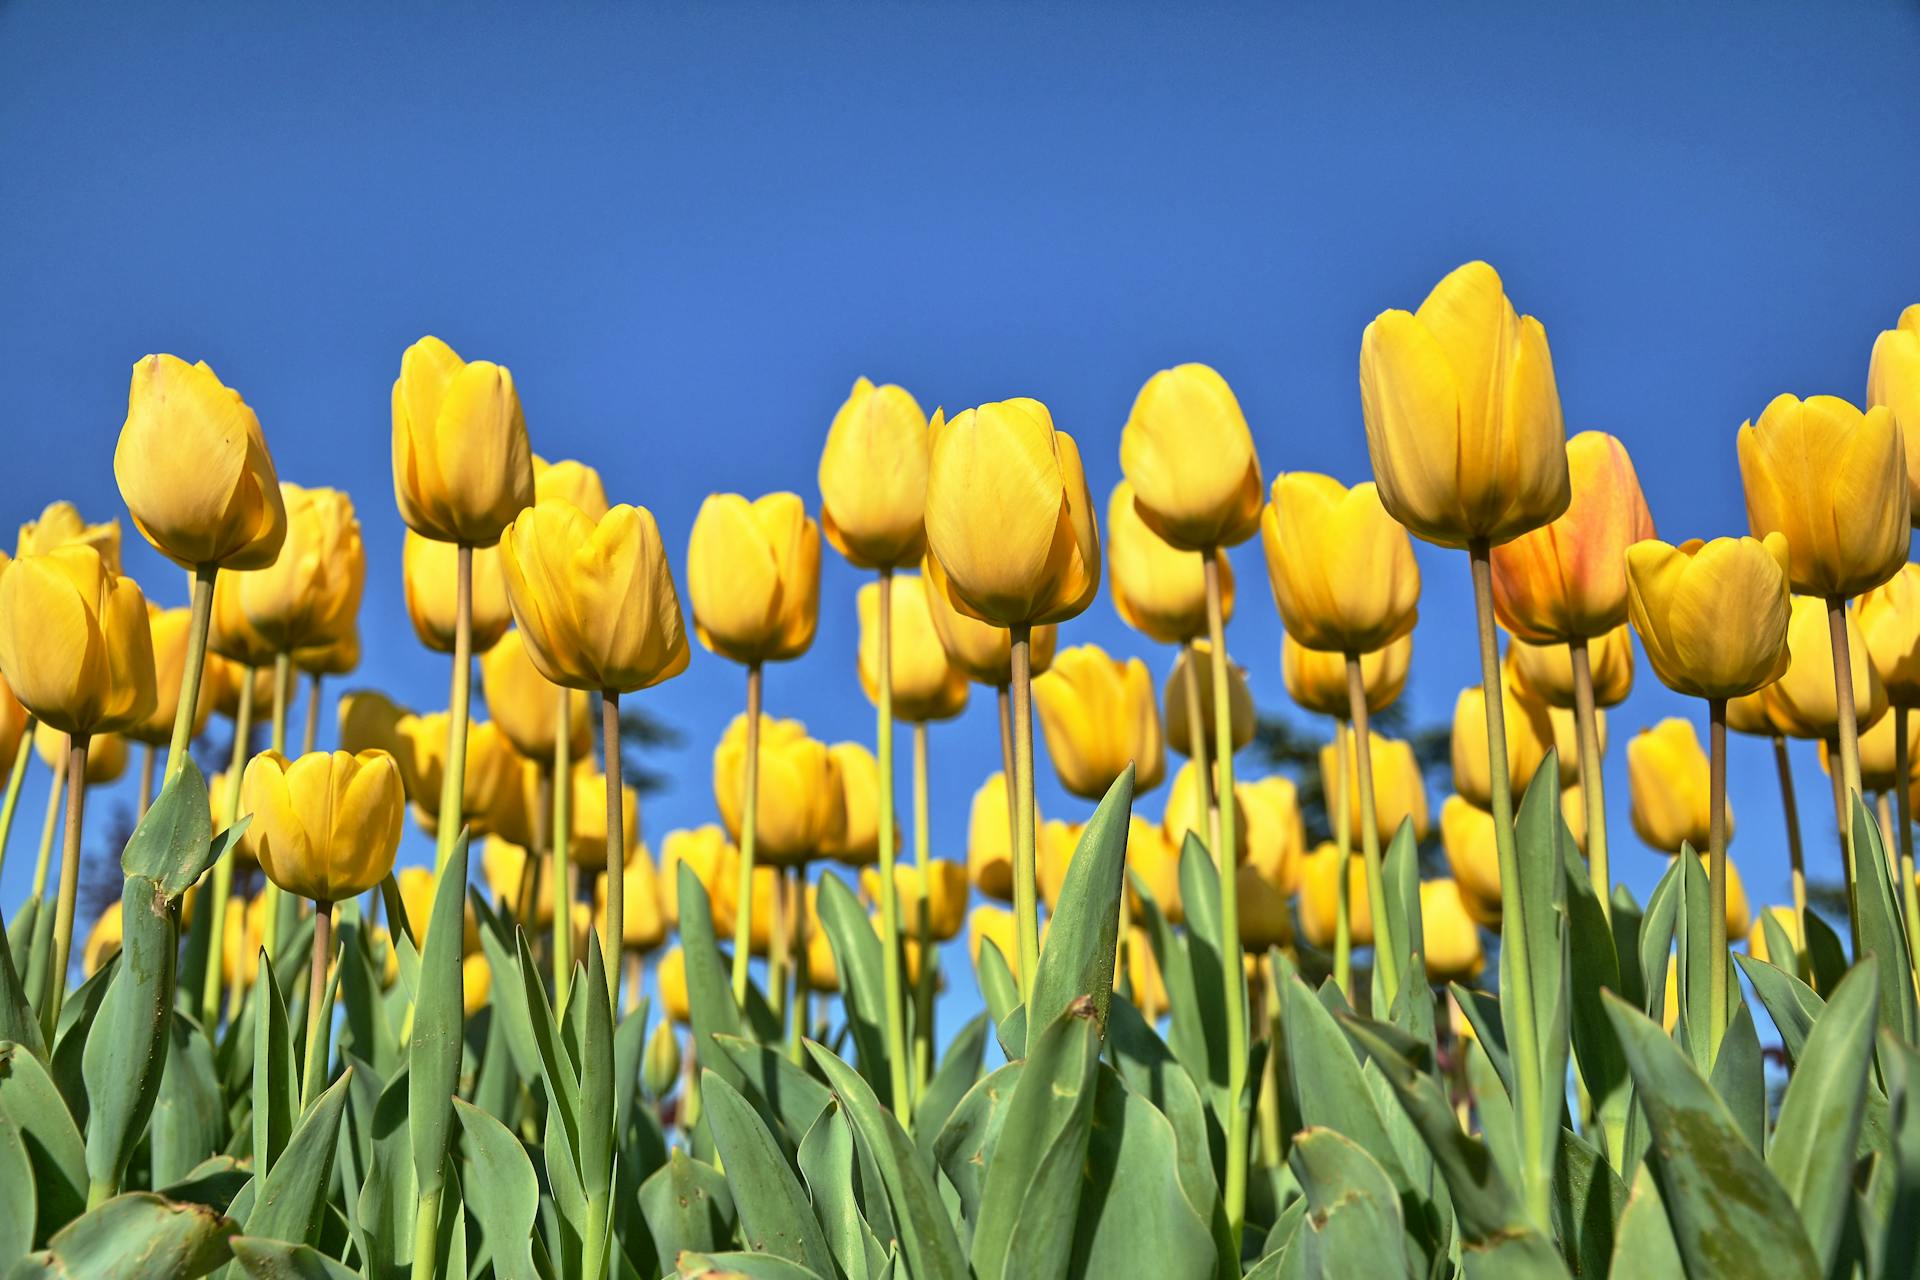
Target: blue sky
687, 229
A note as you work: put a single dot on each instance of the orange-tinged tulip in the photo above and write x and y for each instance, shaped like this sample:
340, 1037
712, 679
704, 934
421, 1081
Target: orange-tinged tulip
713, 860
1712, 615
926, 684
980, 649
1099, 715
1667, 775
430, 571
1316, 679
1893, 381
1889, 620
526, 705
1567, 580
1829, 477
942, 899
570, 481
1158, 589
106, 753
369, 721
416, 885
310, 594
801, 812
1241, 719
62, 525
1546, 670
1320, 904
462, 467
753, 577
873, 477
671, 978
1276, 834
194, 469
1463, 417
589, 844
1529, 735
1803, 701
230, 635
1189, 456
641, 926
75, 643
1453, 939
859, 843
1467, 835
324, 826
596, 600
1010, 525
168, 628
103, 939
1262, 909
1181, 813
989, 840
1342, 569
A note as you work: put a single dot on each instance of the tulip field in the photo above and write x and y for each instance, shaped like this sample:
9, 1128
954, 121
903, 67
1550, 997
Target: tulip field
1202, 1048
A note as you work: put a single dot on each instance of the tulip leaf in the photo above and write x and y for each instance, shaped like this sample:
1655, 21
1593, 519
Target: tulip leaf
1149, 1068
963, 1149
368, 1033
172, 845
1353, 1212
687, 1206
501, 1189
1400, 878
433, 1058
291, 1202
1135, 1218
1587, 1199
999, 990
774, 1212
1900, 1234
1728, 1213
1657, 929
189, 1118
384, 1210
828, 1165
741, 1266
509, 999
127, 1048
595, 1150
1482, 1012
1882, 931
793, 1100
709, 991
1739, 1078
1533, 911
136, 1234
275, 1082
1332, 1092
20, 935
31, 1109
1595, 968
562, 1081
1083, 932
1790, 1003
77, 1017
17, 1022
1826, 954
1186, 1029
1642, 1241
1200, 893
857, 955
264, 1259
957, 1073
19, 1200
1626, 921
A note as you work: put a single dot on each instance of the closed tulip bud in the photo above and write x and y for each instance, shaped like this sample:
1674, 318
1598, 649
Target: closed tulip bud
873, 477
1567, 580
1829, 477
337, 657
1055, 843
1893, 381
1573, 812
1467, 835
75, 643
1712, 615
417, 885
1316, 679
106, 753
995, 925
1241, 719
1877, 771
801, 812
1889, 621
1342, 569
229, 678
62, 525
926, 685
1546, 670
103, 940
1751, 713
1146, 986
476, 984
1667, 775
1453, 951
989, 840
941, 899
245, 927
589, 846
168, 628
506, 866
1399, 792
823, 974
230, 635
526, 705
641, 928
194, 469
596, 601
370, 721
767, 899
492, 766
1739, 914
1265, 920
1463, 417
982, 650
1189, 456
1320, 903
325, 826
1158, 589
462, 467
714, 861
1529, 735
753, 577
1566, 741
310, 594
1010, 525
570, 481
430, 571
671, 979
1181, 813
660, 1064
1099, 715
1155, 861
859, 843
1802, 701
1788, 922
13, 722
1276, 834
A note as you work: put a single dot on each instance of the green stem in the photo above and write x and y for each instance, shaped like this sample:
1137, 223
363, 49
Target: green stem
1343, 841
802, 980
923, 936
223, 869
1848, 778
50, 823
1903, 827
616, 847
199, 620
562, 782
1592, 775
749, 822
1005, 699
1716, 875
144, 799
893, 989
276, 917
69, 886
426, 1234
593, 1249
1234, 975
16, 779
453, 778
319, 1021
1026, 910
1795, 855
1386, 949
312, 731
1205, 820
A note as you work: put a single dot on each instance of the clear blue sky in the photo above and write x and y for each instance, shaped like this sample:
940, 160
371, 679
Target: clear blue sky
687, 229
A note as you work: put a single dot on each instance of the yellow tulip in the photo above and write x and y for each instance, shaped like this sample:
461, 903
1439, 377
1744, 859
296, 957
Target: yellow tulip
1146, 987
641, 928
1829, 478
1877, 772
1320, 904
1667, 775
1467, 835
753, 577
1055, 843
823, 973
768, 895
942, 899
1399, 792
1889, 620
1316, 679
194, 469
1893, 381
1757, 935
62, 525
338, 657
596, 601
859, 843
1566, 741
1752, 713
1156, 861
430, 571
1546, 670
1802, 701
989, 840
589, 845
671, 979
1241, 719
801, 811
476, 984
1739, 914
416, 885
1529, 735
75, 643
504, 864
1567, 580
1342, 569
168, 629
13, 722
1010, 525
1189, 456
570, 481
1463, 417
1453, 939
369, 721
980, 649
1179, 817
1158, 589
873, 477
325, 826
995, 925
228, 678
1263, 915
103, 940
310, 594
714, 862
526, 705
1099, 715
462, 467
245, 929
230, 635
493, 766
1276, 833
1713, 615
926, 685
106, 753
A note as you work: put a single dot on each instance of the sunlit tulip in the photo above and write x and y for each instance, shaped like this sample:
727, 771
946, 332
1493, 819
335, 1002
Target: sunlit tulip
526, 705
416, 885
801, 811
1319, 900
1803, 701
1893, 380
589, 846
370, 721
1467, 835
859, 843
75, 643
1757, 947
1262, 907
230, 635
1316, 679
1182, 809
462, 467
492, 765
338, 657
641, 926
1752, 713
1889, 621
767, 897
823, 973
229, 678
1240, 713
310, 594
62, 525
1276, 834
1830, 478
168, 629
995, 925
671, 979
103, 939
873, 477
596, 601
1567, 580
1739, 914
324, 826
980, 649
1399, 792
1529, 735
1342, 569
943, 902
1099, 715
1189, 456
430, 572
753, 577
106, 753
13, 723
1155, 861
244, 925
1055, 844
989, 841
1712, 615
1877, 760
570, 481
1158, 589
713, 860
1145, 985
476, 984
1546, 670
1566, 741
1463, 417
1453, 951
1010, 525
194, 469
1667, 775
505, 865
926, 684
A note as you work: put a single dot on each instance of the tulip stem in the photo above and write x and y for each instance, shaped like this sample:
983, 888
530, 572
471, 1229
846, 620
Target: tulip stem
199, 620
223, 869
561, 780
1205, 817
1883, 811
749, 821
616, 845
893, 989
144, 799
426, 1233
923, 859
802, 979
312, 732
1342, 809
278, 909
1903, 830
1225, 854
318, 1023
1026, 912
1005, 699
1517, 1006
1386, 950
69, 886
1592, 774
453, 777
1849, 742
1795, 854
16, 779
1716, 875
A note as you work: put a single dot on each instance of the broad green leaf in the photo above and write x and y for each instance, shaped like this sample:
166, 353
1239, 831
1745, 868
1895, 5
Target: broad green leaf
1400, 875
275, 1085
563, 1082
857, 955
1083, 931
189, 1119
1151, 1071
17, 1022
999, 990
827, 1163
1642, 1241
19, 1205
136, 1234
686, 1205
1200, 895
291, 1203
1540, 996
1657, 929
278, 1260
31, 1107
775, 1215
957, 1073
742, 1266
1739, 1078
1826, 954
1327, 1079
1627, 921
1187, 1029
172, 843
213, 1182
595, 1152
127, 1049
1482, 1012
509, 999
1900, 1226
1791, 1003
1595, 968
500, 1187
793, 1099
384, 1212
963, 1149
709, 991
20, 936
433, 1057
1587, 1200
367, 1032
1882, 931
1134, 1218
1353, 1226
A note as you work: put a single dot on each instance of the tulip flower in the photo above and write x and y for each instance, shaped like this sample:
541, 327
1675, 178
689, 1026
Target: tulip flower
992, 924
1316, 680
711, 856
873, 477
103, 939
1058, 842
1099, 715
1180, 819
1547, 670
981, 649
644, 930
106, 753
430, 571
1320, 895
1893, 382
660, 1061
1529, 734
1145, 985
170, 630
1264, 920
1885, 764
1155, 860
859, 843
75, 643
572, 482
990, 840
940, 896
1189, 456
926, 684
1453, 951
802, 809
671, 979
16, 733
1466, 833
61, 525
1668, 776
1190, 717
765, 892
592, 851
1802, 700
526, 705
311, 592
462, 467
1399, 792
753, 577
1158, 589
416, 885
492, 766
337, 657
1757, 935
520, 882
1276, 834
1342, 569
231, 636
369, 720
